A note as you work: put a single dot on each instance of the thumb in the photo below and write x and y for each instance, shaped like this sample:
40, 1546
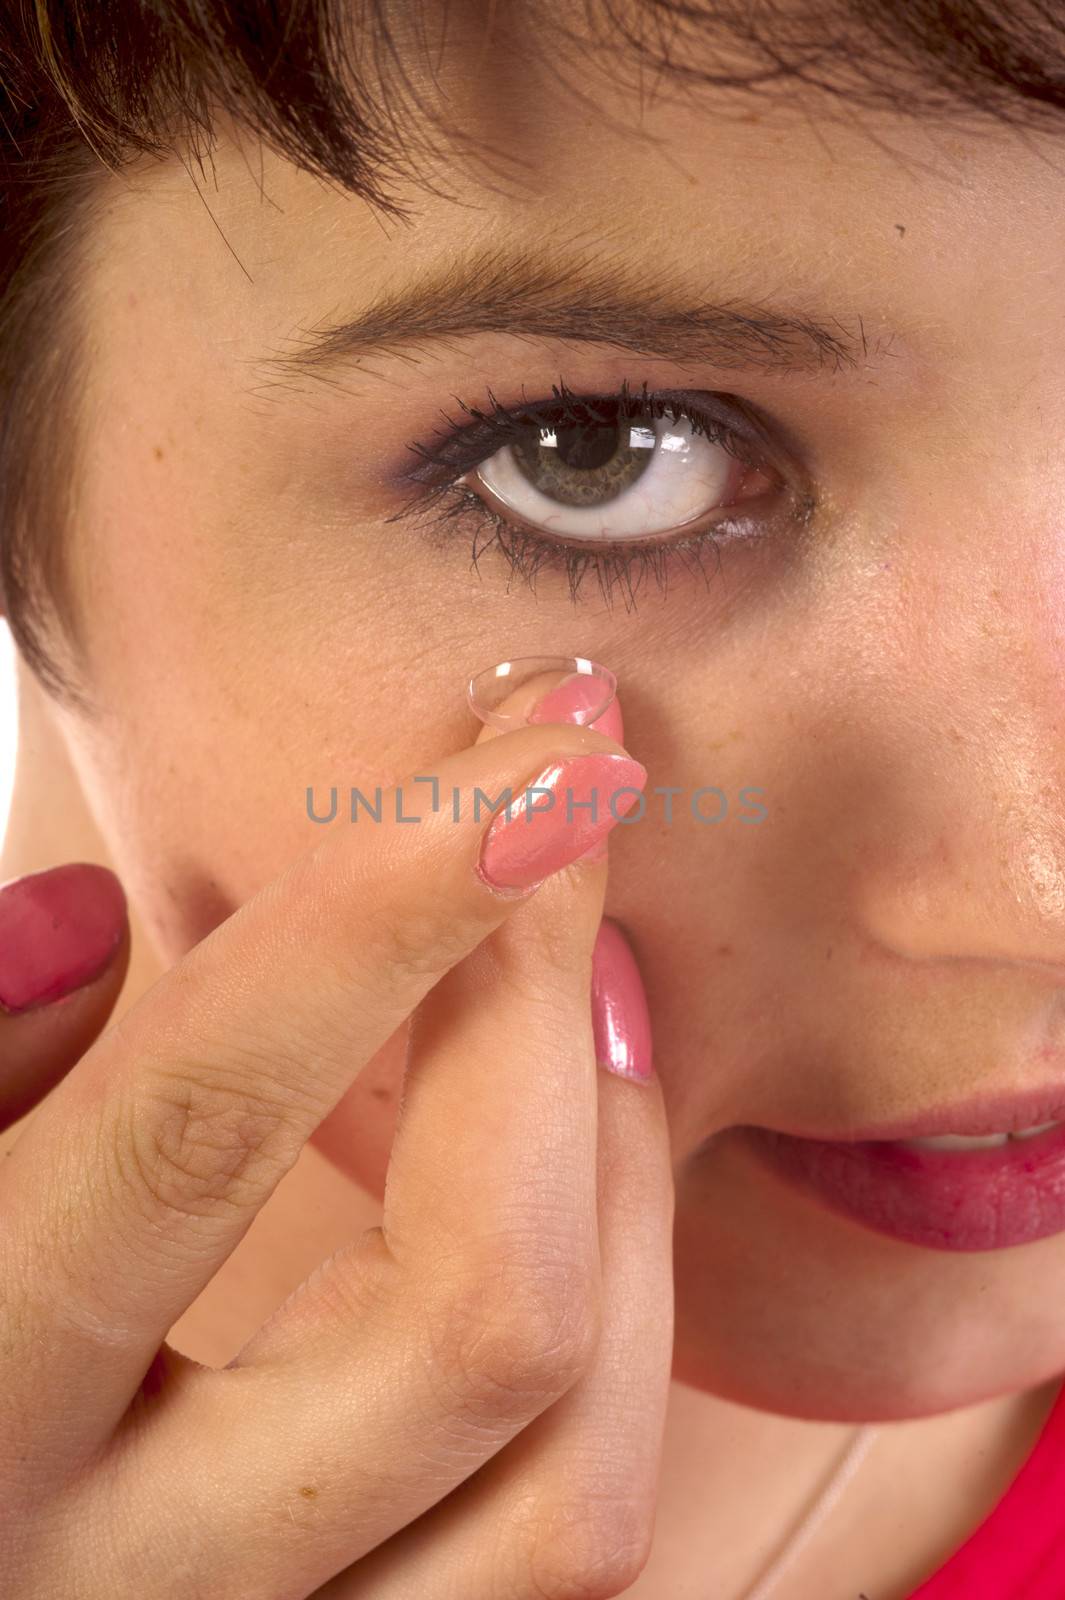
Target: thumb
64, 952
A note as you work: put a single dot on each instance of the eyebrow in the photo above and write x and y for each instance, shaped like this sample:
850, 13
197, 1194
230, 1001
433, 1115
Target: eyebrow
629, 307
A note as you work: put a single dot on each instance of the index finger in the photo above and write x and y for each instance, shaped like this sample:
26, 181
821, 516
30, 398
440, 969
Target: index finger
161, 1146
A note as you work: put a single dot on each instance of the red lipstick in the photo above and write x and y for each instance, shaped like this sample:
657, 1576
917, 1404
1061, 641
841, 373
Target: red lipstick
985, 1197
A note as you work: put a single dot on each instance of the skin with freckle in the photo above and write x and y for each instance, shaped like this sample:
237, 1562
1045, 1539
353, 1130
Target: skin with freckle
889, 681
897, 717
888, 674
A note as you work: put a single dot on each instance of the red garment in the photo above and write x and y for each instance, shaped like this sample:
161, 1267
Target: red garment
1018, 1552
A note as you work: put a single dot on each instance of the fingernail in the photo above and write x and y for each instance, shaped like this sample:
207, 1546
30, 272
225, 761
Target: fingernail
568, 702
543, 689
621, 1023
556, 818
58, 930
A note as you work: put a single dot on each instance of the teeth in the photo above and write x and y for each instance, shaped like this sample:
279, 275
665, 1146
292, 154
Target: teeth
977, 1141
960, 1141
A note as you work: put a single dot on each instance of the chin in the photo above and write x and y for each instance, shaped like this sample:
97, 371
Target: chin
783, 1305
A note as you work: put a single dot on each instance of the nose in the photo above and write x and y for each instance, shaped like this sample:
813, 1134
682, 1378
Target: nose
957, 845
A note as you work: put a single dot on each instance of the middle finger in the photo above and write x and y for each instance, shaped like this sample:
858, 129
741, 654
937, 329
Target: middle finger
568, 1506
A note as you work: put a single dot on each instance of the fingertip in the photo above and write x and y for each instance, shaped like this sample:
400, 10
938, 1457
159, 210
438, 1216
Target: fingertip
621, 1021
60, 928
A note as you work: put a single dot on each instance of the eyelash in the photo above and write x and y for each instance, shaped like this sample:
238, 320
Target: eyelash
460, 447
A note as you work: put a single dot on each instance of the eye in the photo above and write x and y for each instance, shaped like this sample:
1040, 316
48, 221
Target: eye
600, 474
619, 488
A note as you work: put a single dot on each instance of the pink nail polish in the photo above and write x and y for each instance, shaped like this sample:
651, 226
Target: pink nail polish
610, 722
58, 930
556, 818
538, 689
621, 1023
566, 703
570, 700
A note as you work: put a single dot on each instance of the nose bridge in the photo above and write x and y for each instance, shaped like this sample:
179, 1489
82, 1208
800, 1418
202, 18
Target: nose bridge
962, 846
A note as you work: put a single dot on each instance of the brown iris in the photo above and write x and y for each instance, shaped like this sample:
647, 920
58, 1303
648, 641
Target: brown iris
586, 463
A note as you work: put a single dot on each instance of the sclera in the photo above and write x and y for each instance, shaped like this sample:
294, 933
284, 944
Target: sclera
526, 685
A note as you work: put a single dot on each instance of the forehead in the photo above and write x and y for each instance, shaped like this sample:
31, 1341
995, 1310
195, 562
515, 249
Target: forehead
940, 242
895, 219
968, 67
945, 243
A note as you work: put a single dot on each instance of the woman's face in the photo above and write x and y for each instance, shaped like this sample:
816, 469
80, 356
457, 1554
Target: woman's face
874, 639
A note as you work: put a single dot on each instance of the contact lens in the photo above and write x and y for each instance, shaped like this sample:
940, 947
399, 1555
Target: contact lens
541, 689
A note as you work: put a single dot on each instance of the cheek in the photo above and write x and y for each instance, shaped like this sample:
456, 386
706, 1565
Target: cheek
248, 646
238, 662
1046, 593
198, 773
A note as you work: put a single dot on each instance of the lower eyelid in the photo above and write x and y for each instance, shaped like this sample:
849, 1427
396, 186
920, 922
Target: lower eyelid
457, 515
717, 526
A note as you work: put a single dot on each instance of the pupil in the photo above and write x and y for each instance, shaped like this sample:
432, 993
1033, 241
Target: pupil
586, 447
590, 461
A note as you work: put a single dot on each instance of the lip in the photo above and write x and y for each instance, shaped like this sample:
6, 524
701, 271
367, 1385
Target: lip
989, 1113
981, 1199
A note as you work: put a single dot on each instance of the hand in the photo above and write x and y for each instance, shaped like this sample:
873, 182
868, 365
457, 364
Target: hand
467, 1400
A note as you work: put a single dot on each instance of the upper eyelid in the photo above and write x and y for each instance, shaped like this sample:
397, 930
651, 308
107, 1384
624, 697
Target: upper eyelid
728, 414
446, 465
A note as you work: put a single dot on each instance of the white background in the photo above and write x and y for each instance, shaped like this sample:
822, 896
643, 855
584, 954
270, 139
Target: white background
8, 723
